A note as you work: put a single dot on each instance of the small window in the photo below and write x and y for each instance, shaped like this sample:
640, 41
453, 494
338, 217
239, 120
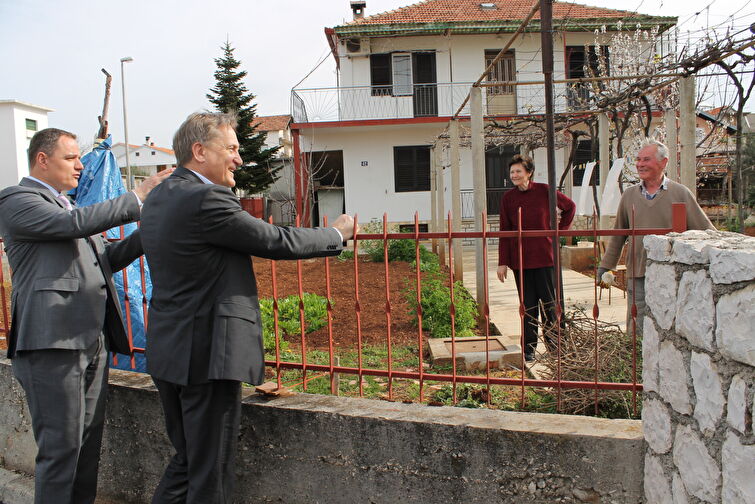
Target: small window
411, 168
153, 153
136, 154
31, 125
503, 71
380, 74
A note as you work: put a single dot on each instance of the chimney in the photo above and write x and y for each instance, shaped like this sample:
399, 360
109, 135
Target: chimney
146, 140
357, 7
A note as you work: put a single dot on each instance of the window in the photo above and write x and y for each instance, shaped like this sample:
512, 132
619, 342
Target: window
380, 74
504, 70
136, 154
411, 168
402, 74
577, 60
31, 125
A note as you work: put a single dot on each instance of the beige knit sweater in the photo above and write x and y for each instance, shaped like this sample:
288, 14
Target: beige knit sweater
654, 213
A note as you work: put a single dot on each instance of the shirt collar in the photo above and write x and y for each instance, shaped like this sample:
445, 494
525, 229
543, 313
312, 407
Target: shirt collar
201, 177
54, 191
663, 187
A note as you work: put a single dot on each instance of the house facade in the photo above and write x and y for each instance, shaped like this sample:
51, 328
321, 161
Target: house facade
145, 160
402, 76
18, 123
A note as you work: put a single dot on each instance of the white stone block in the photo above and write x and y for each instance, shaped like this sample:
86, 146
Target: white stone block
737, 404
732, 265
672, 378
649, 356
738, 472
660, 293
709, 392
695, 310
690, 251
678, 490
656, 424
658, 248
657, 488
735, 331
700, 473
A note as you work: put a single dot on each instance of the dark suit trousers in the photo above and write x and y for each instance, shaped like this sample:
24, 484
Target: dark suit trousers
203, 425
538, 288
66, 391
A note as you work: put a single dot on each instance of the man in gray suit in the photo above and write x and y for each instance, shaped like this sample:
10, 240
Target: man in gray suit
65, 313
205, 336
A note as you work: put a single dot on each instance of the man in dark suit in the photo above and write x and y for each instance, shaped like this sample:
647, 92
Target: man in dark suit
205, 335
65, 313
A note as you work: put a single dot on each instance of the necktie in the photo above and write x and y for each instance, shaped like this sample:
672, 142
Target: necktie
66, 202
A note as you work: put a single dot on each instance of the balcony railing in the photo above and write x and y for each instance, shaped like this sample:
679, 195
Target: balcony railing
417, 100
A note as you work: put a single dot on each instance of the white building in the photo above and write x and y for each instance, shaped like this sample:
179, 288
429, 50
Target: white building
18, 123
145, 160
281, 195
402, 75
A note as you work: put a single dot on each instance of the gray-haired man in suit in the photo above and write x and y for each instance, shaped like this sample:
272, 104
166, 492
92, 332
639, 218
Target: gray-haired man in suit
65, 313
205, 335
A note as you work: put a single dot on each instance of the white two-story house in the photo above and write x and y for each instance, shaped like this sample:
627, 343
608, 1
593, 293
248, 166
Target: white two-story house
403, 74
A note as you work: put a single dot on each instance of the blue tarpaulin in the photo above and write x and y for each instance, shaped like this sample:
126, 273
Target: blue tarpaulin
100, 181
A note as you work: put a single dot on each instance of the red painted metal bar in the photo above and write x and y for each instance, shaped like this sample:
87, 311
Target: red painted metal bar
479, 380
329, 314
302, 321
420, 336
358, 306
486, 301
559, 314
452, 308
3, 299
276, 325
520, 287
387, 306
633, 226
595, 308
528, 233
678, 217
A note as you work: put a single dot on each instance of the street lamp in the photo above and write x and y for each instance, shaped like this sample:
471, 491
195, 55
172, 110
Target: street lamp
129, 183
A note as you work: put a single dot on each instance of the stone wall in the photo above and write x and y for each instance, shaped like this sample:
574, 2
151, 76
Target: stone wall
699, 368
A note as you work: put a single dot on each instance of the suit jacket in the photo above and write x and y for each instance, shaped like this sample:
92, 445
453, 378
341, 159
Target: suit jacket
204, 318
63, 294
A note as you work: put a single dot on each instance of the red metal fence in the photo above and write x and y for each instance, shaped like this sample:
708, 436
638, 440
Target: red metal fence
333, 369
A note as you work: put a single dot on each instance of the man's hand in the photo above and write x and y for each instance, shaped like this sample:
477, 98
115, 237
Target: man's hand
345, 224
502, 271
150, 183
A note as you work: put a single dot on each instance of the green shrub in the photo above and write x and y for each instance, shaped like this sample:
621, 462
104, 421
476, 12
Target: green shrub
436, 308
346, 255
315, 317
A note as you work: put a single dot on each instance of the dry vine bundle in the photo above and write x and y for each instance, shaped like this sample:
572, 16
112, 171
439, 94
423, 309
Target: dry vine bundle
579, 355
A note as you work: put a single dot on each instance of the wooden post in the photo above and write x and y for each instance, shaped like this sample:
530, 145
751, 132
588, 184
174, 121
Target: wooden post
688, 166
672, 169
604, 144
440, 205
478, 175
433, 200
453, 130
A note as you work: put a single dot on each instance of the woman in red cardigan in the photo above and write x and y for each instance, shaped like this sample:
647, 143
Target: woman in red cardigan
532, 198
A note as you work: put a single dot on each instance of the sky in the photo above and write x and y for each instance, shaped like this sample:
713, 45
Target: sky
51, 52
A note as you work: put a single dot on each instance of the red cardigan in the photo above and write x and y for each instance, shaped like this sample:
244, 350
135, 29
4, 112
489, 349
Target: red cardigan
537, 251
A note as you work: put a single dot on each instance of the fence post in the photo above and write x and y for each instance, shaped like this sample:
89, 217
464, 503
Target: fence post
671, 142
478, 173
678, 217
456, 199
440, 206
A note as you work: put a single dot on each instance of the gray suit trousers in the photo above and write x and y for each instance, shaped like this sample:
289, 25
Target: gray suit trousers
66, 391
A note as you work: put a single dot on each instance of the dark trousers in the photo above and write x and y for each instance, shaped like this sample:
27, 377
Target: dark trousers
66, 391
203, 425
538, 289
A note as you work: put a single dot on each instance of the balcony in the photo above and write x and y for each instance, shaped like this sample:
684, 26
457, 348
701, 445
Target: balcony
356, 103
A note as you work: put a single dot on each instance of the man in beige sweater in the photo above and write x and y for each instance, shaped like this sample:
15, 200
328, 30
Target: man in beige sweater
651, 199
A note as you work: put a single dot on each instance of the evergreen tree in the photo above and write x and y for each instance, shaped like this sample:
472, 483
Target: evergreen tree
231, 95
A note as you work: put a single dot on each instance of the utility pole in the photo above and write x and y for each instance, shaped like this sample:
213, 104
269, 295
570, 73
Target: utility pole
546, 40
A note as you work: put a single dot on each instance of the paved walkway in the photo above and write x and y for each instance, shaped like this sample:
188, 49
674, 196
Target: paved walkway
504, 299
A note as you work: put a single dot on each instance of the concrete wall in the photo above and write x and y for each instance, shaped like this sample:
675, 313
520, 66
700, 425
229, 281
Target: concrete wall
321, 449
699, 368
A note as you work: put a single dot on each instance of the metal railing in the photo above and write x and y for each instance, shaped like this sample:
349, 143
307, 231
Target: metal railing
279, 361
492, 202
